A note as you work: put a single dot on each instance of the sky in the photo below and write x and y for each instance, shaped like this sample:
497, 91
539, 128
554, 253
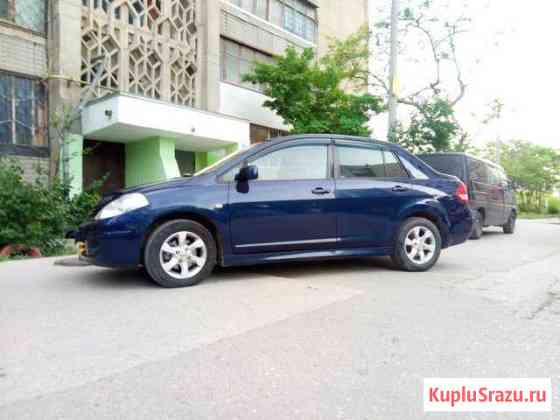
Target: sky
512, 53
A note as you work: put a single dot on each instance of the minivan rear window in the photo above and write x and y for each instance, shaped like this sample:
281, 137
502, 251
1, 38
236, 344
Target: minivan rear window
447, 164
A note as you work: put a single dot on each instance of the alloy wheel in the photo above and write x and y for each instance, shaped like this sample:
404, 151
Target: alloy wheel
420, 245
183, 255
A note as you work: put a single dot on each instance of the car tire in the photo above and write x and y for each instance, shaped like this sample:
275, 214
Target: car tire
408, 239
478, 224
180, 253
509, 227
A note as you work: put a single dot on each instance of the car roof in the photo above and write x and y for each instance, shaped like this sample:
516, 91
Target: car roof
367, 140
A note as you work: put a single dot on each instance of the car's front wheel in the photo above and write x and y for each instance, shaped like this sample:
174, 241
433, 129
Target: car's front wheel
180, 253
509, 227
418, 245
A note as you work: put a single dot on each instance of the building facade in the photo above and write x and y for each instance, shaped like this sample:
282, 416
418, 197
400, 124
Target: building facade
133, 91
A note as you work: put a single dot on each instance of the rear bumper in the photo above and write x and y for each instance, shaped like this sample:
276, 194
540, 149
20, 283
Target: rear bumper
114, 242
460, 228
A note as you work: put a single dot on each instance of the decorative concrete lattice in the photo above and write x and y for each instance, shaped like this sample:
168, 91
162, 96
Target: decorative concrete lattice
149, 46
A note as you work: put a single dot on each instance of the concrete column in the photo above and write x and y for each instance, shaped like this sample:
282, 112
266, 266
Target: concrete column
150, 160
209, 55
64, 49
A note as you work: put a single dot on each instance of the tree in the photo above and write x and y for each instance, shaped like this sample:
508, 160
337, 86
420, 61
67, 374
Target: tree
430, 33
430, 129
534, 169
319, 96
431, 36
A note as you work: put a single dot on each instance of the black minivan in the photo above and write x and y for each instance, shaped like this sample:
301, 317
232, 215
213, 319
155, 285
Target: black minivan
491, 194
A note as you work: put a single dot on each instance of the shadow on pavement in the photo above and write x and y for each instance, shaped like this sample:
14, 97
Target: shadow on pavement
117, 278
302, 269
138, 278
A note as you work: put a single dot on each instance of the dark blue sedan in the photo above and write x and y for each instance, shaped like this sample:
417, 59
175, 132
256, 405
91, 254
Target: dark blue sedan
295, 198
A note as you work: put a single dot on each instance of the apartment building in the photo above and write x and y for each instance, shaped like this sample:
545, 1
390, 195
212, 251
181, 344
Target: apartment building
156, 84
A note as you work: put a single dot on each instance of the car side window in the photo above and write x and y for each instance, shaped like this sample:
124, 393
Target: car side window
412, 169
296, 162
360, 162
478, 171
290, 163
497, 176
493, 176
393, 167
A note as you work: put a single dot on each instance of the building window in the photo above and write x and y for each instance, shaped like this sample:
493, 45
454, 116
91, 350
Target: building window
23, 111
295, 16
238, 60
29, 14
260, 133
257, 7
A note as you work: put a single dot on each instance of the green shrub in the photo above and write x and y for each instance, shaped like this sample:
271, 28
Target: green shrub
553, 205
81, 207
39, 213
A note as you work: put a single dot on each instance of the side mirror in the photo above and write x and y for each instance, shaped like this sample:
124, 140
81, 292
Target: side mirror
247, 173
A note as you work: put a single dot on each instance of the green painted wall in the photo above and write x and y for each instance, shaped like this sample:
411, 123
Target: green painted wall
73, 158
200, 160
204, 159
150, 160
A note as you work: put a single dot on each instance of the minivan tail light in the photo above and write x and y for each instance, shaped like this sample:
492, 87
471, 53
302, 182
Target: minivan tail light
462, 194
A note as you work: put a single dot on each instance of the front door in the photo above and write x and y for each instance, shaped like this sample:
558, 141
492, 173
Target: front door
104, 162
290, 206
498, 181
482, 190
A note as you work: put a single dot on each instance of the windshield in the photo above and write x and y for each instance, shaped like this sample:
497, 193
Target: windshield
223, 160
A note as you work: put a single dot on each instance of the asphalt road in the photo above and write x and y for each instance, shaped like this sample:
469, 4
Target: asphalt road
346, 339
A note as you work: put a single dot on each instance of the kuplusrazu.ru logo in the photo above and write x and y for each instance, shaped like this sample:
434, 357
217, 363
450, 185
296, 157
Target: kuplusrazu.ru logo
488, 394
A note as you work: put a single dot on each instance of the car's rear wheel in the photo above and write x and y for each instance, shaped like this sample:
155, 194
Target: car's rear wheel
418, 245
478, 223
509, 227
180, 253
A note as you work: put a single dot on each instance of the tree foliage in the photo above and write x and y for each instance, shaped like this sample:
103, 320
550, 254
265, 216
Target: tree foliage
316, 96
37, 214
534, 169
430, 129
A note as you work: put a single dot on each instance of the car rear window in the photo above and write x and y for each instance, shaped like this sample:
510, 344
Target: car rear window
447, 164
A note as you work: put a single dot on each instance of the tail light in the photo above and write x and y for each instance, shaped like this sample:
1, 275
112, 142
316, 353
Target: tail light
462, 194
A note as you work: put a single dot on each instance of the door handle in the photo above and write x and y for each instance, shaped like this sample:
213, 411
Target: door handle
320, 191
399, 188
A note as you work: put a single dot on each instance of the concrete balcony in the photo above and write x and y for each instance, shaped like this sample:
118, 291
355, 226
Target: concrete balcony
123, 118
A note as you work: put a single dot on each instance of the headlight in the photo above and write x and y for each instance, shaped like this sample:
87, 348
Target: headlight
123, 204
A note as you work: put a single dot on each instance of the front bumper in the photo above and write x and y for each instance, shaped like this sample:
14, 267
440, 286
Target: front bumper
114, 242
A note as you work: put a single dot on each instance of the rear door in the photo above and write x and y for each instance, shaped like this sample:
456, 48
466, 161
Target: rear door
291, 204
371, 188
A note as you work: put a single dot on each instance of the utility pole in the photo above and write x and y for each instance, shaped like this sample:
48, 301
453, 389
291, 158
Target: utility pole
393, 70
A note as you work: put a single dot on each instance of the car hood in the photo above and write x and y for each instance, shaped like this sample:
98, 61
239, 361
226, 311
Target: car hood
147, 188
156, 186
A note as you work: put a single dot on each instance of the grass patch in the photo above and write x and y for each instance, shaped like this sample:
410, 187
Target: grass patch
14, 258
533, 216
